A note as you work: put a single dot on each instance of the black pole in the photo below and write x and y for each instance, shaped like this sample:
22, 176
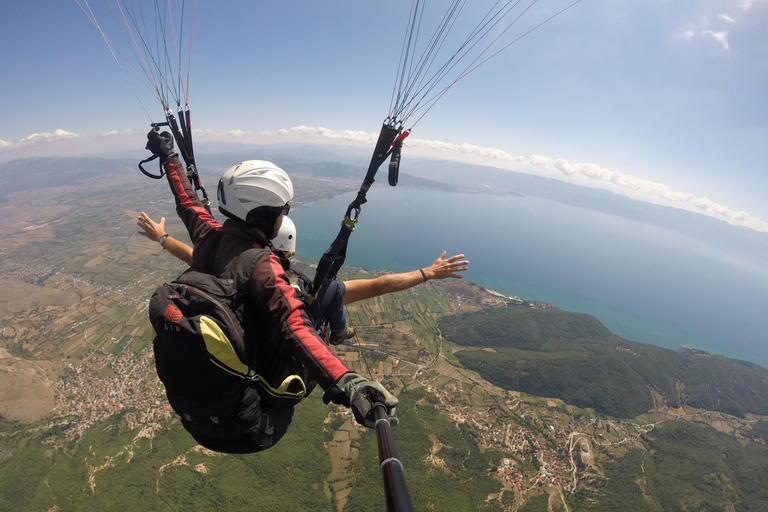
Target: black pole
398, 498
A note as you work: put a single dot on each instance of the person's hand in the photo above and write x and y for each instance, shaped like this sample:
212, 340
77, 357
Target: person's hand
161, 145
360, 394
149, 228
446, 267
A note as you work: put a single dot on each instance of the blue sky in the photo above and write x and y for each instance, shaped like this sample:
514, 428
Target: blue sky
657, 99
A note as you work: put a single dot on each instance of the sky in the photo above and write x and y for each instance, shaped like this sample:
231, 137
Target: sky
661, 100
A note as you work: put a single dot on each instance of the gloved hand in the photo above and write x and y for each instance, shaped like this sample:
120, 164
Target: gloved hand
161, 145
360, 394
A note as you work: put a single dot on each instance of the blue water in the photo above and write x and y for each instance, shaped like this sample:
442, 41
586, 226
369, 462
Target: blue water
41, 281
643, 281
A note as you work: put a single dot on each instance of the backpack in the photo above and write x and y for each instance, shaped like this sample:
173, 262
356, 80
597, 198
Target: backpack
213, 371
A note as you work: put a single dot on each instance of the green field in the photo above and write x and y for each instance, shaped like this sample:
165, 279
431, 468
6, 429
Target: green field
503, 407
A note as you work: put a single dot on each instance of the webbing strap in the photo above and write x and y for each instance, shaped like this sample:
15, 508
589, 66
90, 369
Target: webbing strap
149, 174
382, 150
333, 258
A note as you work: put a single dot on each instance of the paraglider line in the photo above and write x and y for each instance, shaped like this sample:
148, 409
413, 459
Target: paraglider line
144, 62
175, 47
112, 50
484, 26
402, 51
467, 71
189, 53
435, 98
433, 49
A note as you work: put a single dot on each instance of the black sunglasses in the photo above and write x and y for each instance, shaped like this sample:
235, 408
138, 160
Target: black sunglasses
285, 209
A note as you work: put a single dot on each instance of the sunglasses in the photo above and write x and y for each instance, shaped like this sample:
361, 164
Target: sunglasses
285, 209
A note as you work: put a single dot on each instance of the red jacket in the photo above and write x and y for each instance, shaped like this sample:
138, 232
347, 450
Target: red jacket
282, 316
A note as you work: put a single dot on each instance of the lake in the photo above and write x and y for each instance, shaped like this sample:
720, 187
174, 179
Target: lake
643, 281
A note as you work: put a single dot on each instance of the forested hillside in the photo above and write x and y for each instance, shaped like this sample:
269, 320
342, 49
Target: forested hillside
572, 356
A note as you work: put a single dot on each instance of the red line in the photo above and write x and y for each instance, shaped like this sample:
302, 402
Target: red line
175, 48
112, 45
189, 53
128, 26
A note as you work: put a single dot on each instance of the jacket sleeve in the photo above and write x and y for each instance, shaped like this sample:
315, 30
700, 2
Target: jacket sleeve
275, 299
189, 207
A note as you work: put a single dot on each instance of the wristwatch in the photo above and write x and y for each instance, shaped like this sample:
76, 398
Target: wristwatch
161, 240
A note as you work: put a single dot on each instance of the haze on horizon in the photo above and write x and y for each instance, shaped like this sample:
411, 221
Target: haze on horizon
658, 101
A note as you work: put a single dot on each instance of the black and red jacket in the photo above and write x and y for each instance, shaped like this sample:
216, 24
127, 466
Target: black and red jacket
278, 315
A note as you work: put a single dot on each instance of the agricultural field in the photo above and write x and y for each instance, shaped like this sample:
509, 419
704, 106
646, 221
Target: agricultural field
84, 424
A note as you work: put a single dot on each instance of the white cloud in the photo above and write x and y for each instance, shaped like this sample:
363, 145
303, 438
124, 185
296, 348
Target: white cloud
325, 133
583, 173
217, 134
716, 25
726, 17
463, 149
36, 139
296, 134
589, 174
537, 160
688, 34
651, 191
310, 133
63, 142
43, 139
720, 37
748, 4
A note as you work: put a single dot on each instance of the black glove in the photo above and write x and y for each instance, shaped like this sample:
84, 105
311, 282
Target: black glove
360, 394
161, 145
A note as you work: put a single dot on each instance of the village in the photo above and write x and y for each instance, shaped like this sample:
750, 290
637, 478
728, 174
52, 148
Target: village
106, 385
542, 443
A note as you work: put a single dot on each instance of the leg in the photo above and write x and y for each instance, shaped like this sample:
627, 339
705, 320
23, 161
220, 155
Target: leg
328, 306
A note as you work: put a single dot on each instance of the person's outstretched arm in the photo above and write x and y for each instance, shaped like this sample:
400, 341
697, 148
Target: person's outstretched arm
155, 230
442, 268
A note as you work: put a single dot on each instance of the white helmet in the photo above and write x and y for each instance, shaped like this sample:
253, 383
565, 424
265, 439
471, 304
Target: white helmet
285, 240
251, 184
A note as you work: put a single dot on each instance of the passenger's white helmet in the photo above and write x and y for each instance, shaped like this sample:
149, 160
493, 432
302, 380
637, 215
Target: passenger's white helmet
285, 240
251, 184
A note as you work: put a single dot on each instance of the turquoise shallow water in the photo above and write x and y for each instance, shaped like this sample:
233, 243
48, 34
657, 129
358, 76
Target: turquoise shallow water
643, 281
